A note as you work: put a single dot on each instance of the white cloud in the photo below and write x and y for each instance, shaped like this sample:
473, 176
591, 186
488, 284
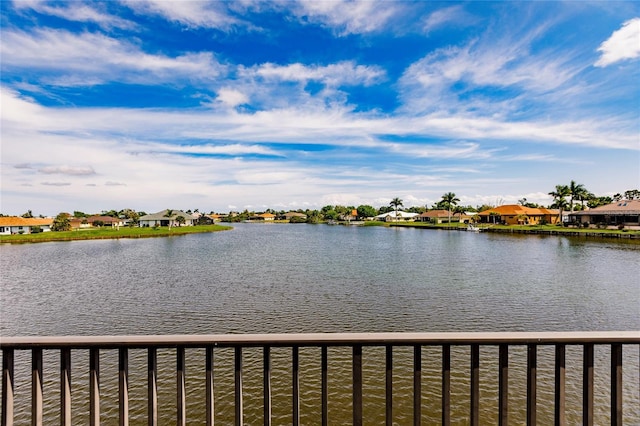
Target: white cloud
347, 16
456, 78
67, 170
56, 183
207, 14
341, 73
622, 45
232, 97
77, 11
453, 15
89, 58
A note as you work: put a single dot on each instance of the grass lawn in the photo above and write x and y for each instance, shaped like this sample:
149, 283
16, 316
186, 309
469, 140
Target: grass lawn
110, 233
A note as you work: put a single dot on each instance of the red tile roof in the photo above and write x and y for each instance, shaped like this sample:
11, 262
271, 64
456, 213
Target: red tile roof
24, 221
517, 209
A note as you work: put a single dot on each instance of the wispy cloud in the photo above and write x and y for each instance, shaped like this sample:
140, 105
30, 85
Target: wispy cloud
449, 16
77, 11
341, 73
67, 170
90, 58
624, 44
346, 17
193, 14
56, 183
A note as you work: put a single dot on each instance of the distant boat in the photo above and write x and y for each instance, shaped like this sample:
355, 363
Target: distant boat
473, 228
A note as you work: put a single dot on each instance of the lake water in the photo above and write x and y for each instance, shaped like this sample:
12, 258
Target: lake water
271, 278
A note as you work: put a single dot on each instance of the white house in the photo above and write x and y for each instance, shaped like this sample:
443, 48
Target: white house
23, 225
163, 218
391, 216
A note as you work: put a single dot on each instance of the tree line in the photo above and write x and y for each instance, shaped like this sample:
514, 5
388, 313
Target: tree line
571, 197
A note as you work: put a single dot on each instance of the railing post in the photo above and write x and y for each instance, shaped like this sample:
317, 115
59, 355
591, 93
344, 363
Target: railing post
65, 387
560, 385
123, 386
238, 387
417, 385
357, 385
503, 379
532, 366
152, 387
389, 385
324, 385
475, 385
295, 379
7, 387
209, 384
616, 384
266, 377
446, 385
587, 386
36, 386
94, 387
181, 397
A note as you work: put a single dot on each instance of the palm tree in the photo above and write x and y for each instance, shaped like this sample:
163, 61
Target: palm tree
575, 189
559, 201
395, 203
449, 199
458, 210
585, 195
168, 214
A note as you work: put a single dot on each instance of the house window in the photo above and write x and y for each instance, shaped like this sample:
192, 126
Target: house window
19, 228
1, 228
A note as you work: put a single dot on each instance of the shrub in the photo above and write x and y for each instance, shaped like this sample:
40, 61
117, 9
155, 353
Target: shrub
585, 225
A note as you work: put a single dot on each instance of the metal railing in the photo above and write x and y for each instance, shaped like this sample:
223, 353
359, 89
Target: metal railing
323, 341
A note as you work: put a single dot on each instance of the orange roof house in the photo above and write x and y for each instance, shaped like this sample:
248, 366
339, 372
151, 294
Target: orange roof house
22, 225
515, 214
263, 216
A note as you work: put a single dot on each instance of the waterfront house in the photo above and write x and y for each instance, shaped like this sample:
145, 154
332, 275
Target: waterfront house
23, 225
266, 217
623, 212
163, 218
515, 214
295, 216
400, 217
104, 221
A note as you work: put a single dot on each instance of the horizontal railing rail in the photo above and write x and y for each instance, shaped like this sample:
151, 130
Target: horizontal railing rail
356, 341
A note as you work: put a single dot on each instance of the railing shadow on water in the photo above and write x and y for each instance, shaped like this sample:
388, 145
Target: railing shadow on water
371, 378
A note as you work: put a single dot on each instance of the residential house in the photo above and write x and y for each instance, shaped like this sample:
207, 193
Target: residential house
515, 214
295, 216
163, 218
442, 216
265, 217
400, 217
623, 212
23, 225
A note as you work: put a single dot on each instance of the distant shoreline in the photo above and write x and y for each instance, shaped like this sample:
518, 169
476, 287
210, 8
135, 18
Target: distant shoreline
136, 232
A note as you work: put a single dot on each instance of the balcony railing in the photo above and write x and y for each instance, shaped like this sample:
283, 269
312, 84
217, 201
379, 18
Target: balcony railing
355, 341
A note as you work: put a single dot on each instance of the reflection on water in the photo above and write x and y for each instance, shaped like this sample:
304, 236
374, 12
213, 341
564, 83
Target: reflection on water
284, 278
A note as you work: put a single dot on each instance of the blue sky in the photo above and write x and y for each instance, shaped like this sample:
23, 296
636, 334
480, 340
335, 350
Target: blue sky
300, 104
